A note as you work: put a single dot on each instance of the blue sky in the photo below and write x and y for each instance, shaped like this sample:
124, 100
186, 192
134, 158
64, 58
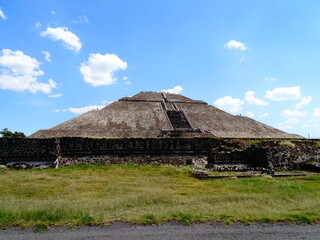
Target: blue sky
255, 58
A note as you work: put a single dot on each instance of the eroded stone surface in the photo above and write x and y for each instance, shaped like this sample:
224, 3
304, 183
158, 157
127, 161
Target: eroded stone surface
147, 114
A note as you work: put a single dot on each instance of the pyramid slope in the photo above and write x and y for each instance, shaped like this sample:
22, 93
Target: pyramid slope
119, 119
145, 115
223, 124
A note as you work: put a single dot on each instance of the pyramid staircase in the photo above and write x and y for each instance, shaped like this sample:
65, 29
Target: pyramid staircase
177, 119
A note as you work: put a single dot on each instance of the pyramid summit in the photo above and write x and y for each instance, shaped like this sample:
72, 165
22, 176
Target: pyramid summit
155, 114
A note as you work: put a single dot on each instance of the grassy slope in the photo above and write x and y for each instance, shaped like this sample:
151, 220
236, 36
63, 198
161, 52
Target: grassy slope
147, 194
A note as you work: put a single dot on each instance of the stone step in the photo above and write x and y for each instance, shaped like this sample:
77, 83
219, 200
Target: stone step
178, 119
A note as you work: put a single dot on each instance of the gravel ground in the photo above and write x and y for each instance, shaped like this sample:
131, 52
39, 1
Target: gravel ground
175, 231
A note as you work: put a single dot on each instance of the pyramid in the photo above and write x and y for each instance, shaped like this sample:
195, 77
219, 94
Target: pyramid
154, 114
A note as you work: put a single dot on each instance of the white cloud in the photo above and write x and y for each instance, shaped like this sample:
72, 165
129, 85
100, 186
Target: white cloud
55, 95
283, 126
43, 87
308, 125
53, 12
270, 78
293, 113
230, 104
252, 100
284, 93
17, 63
83, 109
81, 19
304, 101
233, 44
288, 124
47, 55
313, 124
69, 40
99, 69
292, 121
125, 78
176, 90
19, 72
107, 102
242, 59
316, 112
2, 14
38, 24
266, 114
250, 114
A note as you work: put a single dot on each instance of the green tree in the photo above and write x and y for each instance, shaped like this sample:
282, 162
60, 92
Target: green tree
18, 135
8, 134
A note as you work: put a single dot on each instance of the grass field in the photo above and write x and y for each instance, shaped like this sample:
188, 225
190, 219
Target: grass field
150, 194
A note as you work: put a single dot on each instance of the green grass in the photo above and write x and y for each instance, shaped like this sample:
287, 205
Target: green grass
287, 144
252, 141
150, 194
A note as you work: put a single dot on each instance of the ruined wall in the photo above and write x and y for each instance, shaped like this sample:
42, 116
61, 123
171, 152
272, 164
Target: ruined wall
24, 149
80, 150
270, 154
287, 155
220, 154
164, 151
125, 146
142, 159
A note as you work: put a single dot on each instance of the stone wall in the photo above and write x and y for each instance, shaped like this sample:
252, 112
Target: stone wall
24, 149
164, 151
270, 154
128, 146
142, 159
220, 154
175, 151
287, 155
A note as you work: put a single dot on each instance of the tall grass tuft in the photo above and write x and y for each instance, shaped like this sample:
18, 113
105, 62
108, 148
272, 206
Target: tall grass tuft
287, 144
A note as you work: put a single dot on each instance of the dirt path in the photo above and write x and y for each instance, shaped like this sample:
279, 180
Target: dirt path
171, 231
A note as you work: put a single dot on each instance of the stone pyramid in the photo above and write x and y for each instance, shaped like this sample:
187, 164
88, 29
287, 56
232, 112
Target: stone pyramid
154, 114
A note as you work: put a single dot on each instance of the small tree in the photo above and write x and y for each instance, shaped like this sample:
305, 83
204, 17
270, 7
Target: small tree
8, 134
18, 135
